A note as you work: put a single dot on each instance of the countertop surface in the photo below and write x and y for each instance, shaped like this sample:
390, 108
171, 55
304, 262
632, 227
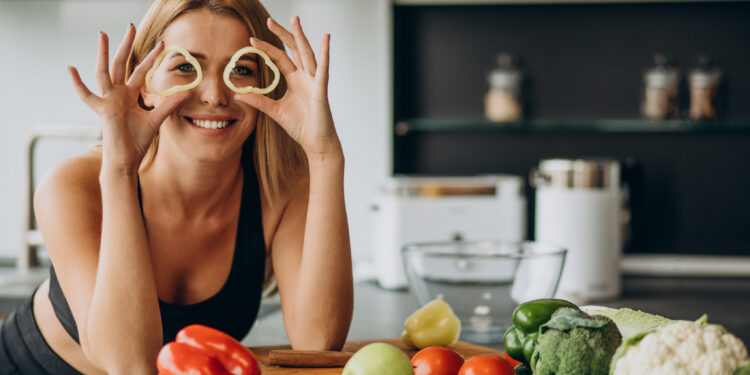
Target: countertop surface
380, 313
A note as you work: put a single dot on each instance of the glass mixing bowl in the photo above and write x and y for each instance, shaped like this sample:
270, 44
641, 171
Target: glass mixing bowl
483, 281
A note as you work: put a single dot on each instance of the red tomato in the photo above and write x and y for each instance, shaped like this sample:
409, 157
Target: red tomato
436, 360
511, 360
486, 365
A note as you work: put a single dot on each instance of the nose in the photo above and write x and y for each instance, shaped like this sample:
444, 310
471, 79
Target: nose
213, 91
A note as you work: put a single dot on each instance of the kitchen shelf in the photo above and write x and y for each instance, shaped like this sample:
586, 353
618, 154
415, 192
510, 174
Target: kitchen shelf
571, 126
525, 2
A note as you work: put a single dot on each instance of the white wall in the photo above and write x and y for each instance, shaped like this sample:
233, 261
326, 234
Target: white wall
360, 98
40, 38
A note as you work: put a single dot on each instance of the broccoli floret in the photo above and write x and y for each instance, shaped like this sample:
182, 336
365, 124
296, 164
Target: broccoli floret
574, 343
744, 370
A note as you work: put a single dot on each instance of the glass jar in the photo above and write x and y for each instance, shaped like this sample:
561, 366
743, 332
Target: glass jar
704, 82
661, 90
502, 102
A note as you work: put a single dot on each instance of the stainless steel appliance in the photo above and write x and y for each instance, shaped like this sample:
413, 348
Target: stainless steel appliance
579, 205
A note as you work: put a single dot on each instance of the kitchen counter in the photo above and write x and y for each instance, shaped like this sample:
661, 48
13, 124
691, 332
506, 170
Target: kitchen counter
380, 313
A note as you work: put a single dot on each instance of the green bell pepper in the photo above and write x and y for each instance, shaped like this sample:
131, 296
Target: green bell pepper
520, 340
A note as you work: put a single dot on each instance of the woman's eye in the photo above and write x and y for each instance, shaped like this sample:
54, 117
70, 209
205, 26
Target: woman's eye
186, 68
241, 70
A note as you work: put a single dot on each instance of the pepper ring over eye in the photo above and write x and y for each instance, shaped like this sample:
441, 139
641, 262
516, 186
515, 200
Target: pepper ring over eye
256, 90
175, 89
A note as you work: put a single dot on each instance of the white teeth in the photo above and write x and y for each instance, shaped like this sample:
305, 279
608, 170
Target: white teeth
210, 124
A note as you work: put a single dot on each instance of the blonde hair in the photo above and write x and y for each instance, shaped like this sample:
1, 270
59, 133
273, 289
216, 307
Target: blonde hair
278, 159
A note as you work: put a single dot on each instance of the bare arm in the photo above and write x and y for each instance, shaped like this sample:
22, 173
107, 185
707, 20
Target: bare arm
98, 253
124, 323
107, 275
310, 250
316, 283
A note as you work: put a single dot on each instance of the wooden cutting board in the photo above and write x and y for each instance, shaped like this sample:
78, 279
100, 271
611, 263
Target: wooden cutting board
466, 350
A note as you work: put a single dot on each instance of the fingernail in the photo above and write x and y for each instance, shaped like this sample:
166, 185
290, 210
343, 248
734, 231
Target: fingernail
271, 19
254, 39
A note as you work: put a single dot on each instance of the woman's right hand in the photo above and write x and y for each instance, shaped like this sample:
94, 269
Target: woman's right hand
127, 129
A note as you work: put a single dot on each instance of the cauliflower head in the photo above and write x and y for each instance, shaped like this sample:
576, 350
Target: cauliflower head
683, 348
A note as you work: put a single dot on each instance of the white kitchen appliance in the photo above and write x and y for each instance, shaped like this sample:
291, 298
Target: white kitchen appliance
579, 205
424, 209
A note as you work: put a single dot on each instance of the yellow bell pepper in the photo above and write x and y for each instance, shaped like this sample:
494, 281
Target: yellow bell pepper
434, 324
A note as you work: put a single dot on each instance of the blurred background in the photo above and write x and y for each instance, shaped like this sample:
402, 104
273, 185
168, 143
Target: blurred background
39, 39
646, 100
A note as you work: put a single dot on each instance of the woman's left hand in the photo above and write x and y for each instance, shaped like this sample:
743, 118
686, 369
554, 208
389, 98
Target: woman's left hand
303, 111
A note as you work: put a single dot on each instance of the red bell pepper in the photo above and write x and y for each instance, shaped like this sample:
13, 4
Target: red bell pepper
203, 350
177, 358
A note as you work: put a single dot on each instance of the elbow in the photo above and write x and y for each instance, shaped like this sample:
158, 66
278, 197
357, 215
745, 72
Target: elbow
325, 337
319, 343
122, 363
337, 344
335, 341
122, 356
88, 350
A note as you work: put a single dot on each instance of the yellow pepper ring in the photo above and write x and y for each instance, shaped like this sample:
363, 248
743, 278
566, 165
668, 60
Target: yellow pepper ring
172, 90
244, 90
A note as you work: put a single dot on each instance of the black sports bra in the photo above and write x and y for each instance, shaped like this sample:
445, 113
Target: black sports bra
235, 307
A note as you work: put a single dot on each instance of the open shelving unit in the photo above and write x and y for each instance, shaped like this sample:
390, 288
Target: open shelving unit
570, 126
583, 62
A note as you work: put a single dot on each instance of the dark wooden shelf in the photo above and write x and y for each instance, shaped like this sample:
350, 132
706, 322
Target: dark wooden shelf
570, 126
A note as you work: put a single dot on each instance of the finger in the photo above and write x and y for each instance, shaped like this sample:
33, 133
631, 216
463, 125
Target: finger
102, 64
118, 64
88, 97
139, 73
321, 74
280, 57
306, 52
287, 38
166, 107
262, 103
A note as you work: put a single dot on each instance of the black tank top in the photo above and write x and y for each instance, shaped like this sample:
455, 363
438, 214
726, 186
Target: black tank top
235, 307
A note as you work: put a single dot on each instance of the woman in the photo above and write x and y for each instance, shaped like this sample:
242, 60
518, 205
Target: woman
171, 223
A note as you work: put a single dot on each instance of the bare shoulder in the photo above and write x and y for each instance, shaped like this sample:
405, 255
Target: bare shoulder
72, 184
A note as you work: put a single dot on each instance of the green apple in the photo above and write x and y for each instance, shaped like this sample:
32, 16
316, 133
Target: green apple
379, 359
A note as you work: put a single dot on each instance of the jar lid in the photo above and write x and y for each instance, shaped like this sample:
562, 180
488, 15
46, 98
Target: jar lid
505, 79
704, 78
587, 173
506, 74
662, 77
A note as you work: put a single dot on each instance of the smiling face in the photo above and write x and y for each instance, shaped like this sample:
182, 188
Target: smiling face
210, 124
